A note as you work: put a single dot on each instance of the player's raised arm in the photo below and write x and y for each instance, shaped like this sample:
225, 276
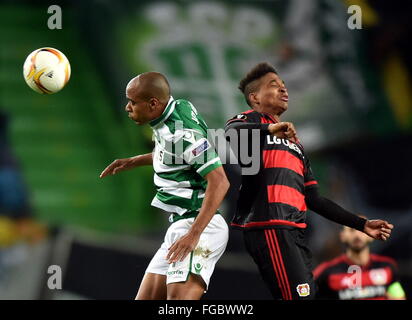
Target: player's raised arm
377, 229
127, 163
217, 186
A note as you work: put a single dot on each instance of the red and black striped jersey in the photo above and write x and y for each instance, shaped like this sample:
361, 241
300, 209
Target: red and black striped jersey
275, 196
339, 280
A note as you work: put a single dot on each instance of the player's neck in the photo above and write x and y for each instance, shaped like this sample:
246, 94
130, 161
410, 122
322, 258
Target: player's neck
159, 111
270, 111
360, 258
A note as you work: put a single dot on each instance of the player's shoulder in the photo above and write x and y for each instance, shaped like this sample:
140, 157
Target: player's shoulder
383, 259
183, 107
191, 120
183, 103
326, 266
245, 116
183, 110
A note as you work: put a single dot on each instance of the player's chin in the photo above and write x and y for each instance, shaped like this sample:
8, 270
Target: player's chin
282, 106
135, 119
358, 247
281, 109
141, 122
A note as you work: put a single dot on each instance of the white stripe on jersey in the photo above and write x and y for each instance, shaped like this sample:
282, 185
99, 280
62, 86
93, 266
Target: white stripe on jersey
207, 164
167, 207
161, 183
178, 192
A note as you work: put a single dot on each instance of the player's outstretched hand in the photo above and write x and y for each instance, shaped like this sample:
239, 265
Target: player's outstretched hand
118, 165
283, 130
378, 229
182, 247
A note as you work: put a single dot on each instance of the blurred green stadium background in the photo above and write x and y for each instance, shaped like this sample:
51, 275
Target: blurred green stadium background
347, 88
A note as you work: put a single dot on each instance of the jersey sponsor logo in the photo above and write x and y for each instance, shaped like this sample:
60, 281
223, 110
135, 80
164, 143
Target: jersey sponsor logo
197, 151
359, 278
378, 276
362, 293
175, 273
285, 142
303, 290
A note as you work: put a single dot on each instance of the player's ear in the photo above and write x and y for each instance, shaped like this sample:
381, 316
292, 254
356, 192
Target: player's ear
253, 98
153, 103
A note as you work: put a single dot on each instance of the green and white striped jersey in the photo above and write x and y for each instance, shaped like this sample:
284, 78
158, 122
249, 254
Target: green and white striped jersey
181, 158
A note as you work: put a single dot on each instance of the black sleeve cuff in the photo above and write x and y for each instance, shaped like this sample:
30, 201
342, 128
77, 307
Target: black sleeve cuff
359, 224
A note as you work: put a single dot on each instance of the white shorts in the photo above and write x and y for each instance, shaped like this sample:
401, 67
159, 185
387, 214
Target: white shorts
201, 261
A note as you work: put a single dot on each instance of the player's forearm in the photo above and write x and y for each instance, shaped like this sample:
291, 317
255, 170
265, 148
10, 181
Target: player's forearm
143, 160
215, 192
332, 211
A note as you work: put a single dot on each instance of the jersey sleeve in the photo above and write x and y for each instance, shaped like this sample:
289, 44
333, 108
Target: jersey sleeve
201, 155
309, 178
196, 150
245, 121
239, 118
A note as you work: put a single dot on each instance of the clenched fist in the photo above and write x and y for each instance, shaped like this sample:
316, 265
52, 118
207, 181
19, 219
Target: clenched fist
283, 130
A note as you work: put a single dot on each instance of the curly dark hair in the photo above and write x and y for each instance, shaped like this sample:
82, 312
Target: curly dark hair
249, 83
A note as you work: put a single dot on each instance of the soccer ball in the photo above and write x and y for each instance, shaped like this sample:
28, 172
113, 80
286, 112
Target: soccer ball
46, 70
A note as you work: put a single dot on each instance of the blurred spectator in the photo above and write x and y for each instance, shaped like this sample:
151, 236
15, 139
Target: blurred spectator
13, 194
358, 274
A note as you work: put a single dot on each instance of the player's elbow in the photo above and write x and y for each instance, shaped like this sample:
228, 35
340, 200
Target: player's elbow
222, 181
225, 183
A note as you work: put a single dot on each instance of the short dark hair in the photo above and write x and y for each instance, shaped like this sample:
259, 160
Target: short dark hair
249, 84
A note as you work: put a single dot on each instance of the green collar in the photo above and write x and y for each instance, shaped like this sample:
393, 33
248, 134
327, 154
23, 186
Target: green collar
166, 113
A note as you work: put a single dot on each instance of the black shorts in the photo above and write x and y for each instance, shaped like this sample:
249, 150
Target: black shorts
283, 260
